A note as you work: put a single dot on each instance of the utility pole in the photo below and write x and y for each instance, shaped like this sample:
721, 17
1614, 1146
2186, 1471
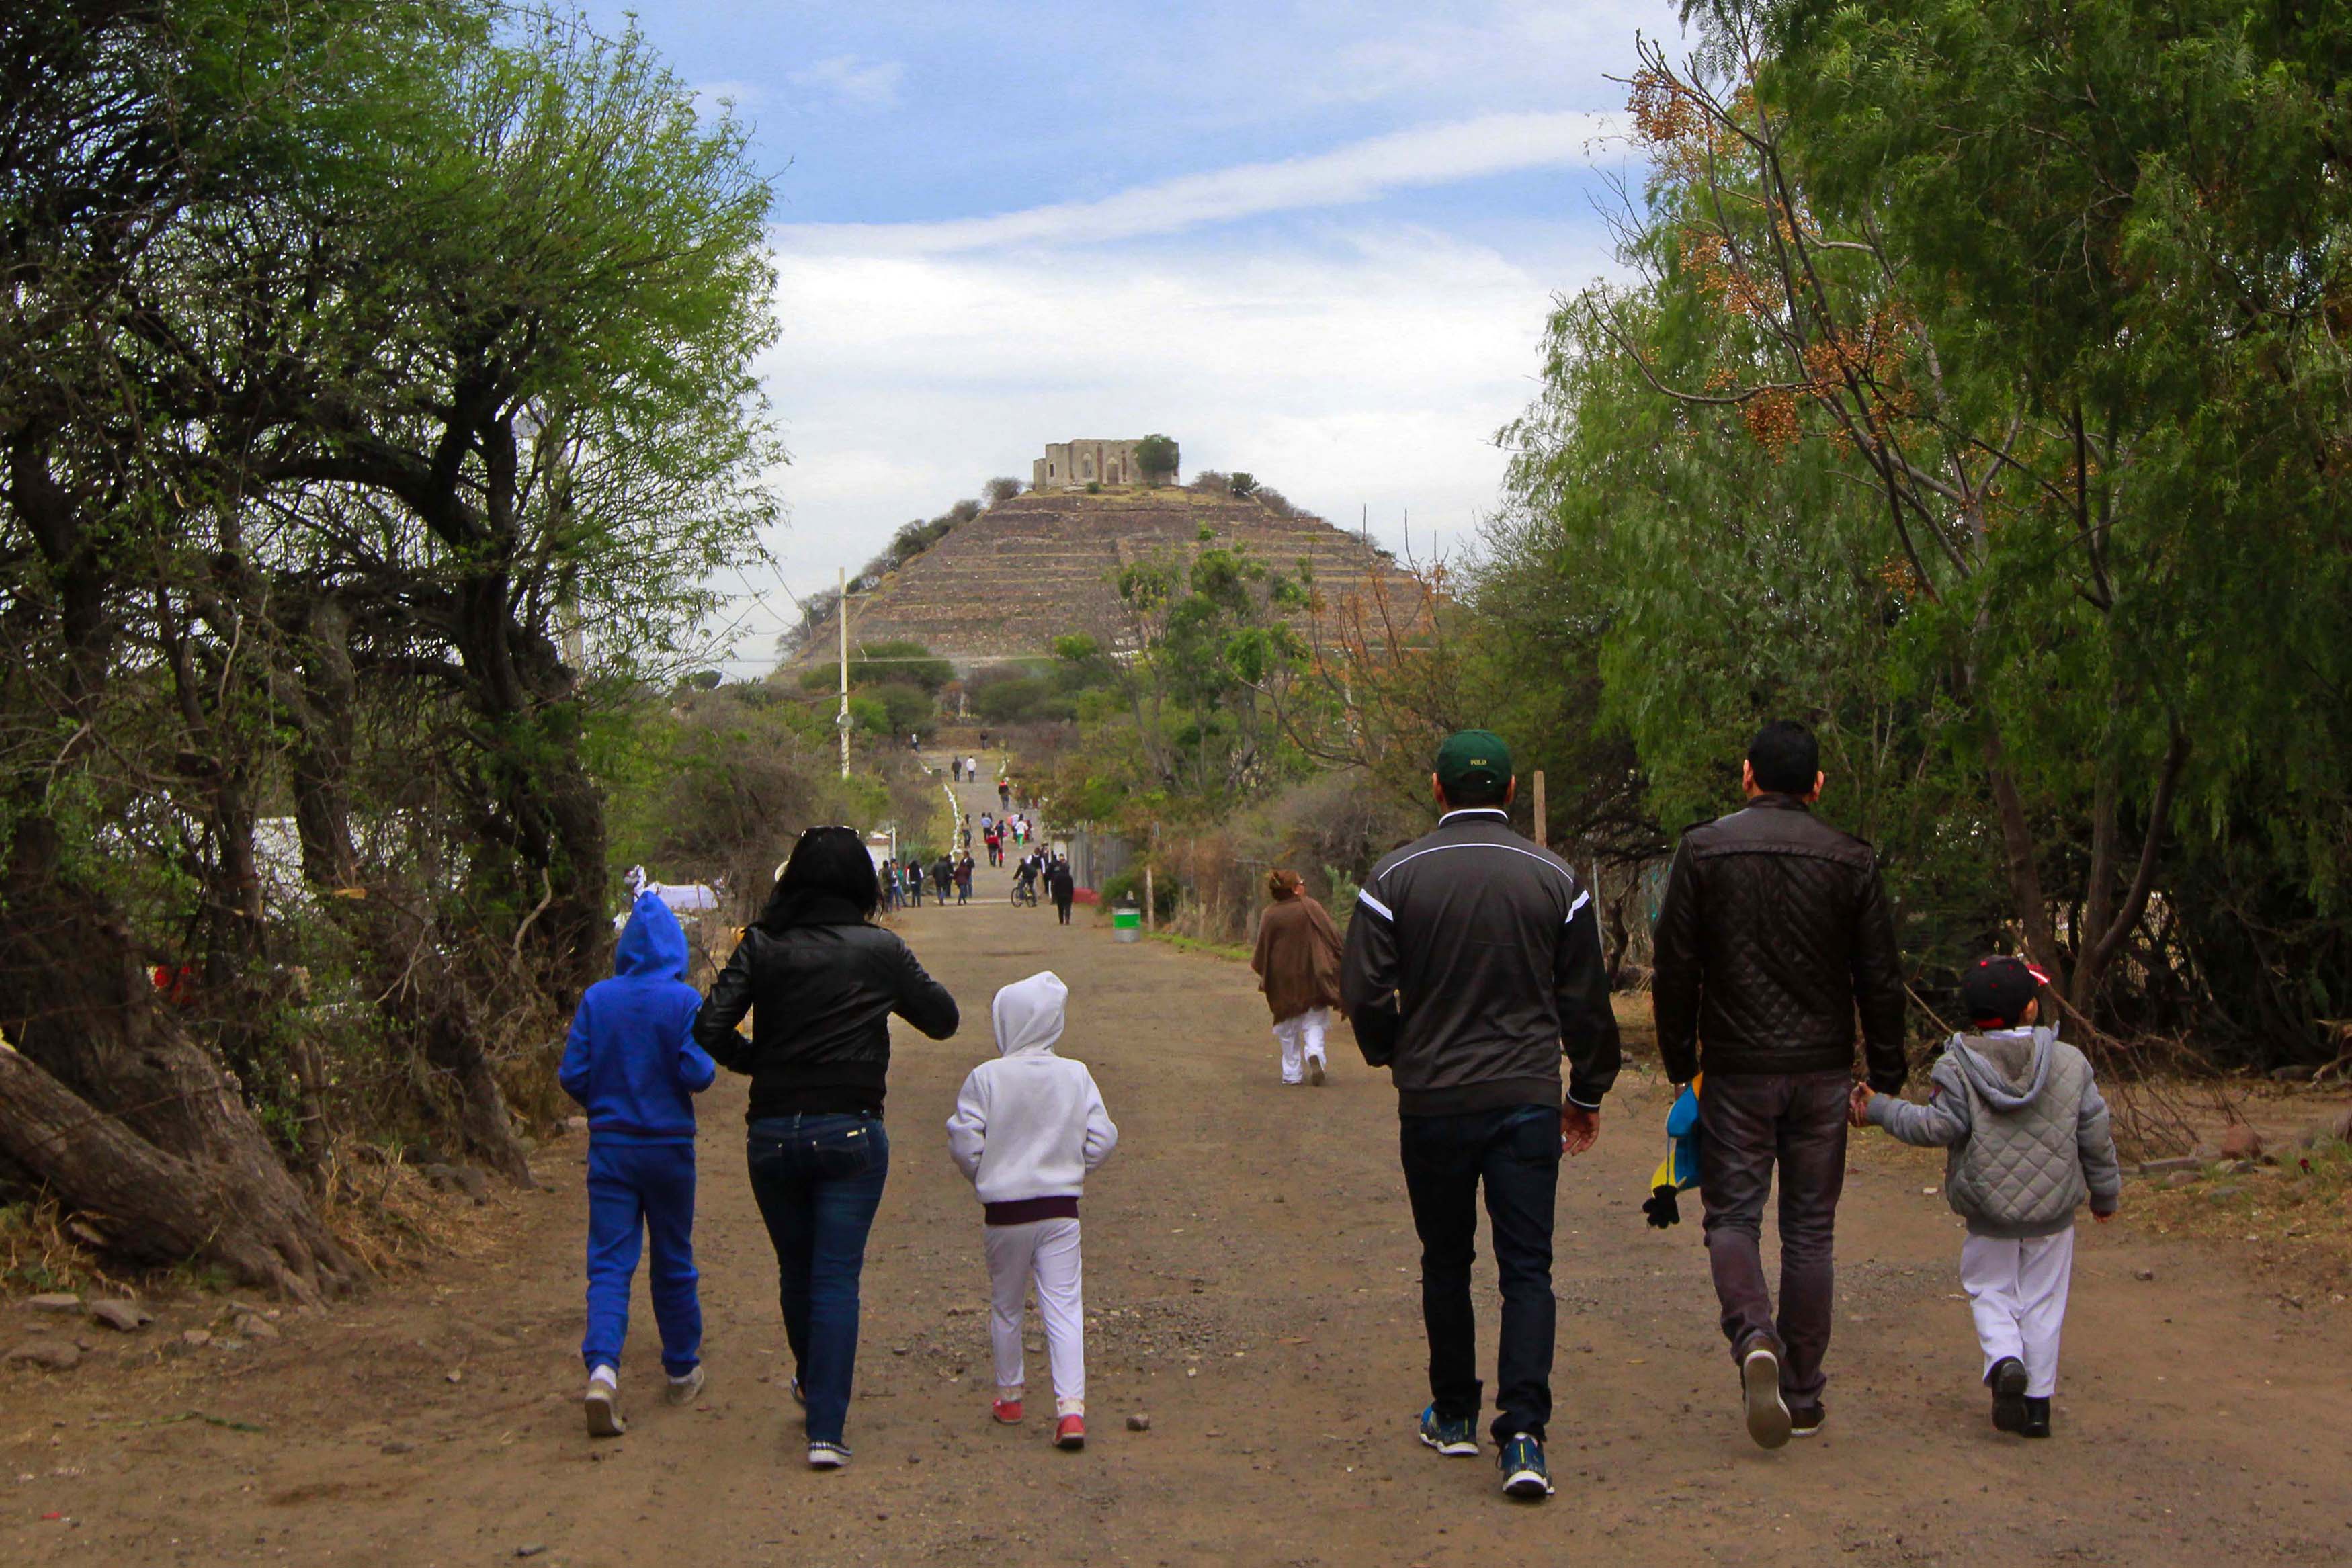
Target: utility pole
841, 619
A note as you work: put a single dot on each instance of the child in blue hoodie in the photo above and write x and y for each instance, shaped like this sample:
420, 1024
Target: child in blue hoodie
632, 1061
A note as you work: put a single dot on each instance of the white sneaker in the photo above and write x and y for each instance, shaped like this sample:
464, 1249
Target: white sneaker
827, 1456
685, 1390
603, 1406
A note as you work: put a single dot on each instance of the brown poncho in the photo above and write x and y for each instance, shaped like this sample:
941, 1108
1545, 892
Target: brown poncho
1297, 957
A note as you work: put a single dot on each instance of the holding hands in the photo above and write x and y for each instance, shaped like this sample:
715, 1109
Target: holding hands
1857, 1106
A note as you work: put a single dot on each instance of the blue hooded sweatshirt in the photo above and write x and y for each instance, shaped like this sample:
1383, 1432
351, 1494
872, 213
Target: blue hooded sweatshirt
631, 1057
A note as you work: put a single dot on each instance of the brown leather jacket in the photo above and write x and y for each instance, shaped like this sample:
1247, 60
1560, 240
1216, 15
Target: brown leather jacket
1297, 957
1775, 929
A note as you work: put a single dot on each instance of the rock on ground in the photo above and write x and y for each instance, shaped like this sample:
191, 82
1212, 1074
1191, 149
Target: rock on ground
127, 1316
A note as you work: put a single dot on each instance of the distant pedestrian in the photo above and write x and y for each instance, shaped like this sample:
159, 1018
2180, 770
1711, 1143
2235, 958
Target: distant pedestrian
1027, 1129
1004, 794
1298, 966
942, 875
913, 872
631, 1063
963, 880
1773, 935
1064, 886
2029, 1142
1473, 964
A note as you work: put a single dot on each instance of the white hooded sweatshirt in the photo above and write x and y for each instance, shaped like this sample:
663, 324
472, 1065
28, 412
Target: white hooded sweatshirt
1030, 1124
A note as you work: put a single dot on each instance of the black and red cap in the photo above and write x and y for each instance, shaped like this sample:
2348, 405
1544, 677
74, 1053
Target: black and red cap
1996, 990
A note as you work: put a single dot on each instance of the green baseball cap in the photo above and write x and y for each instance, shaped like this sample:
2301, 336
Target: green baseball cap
1473, 758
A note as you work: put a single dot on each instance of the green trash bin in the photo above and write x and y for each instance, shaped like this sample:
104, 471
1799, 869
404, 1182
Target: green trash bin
1127, 923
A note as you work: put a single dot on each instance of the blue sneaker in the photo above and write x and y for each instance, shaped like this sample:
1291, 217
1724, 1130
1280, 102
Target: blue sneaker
1455, 1439
1525, 1474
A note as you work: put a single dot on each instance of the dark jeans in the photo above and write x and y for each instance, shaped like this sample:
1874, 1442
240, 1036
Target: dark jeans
1748, 1123
818, 1180
636, 1190
1062, 908
1516, 1152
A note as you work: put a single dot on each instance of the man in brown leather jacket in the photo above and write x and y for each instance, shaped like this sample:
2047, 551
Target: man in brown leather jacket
1774, 933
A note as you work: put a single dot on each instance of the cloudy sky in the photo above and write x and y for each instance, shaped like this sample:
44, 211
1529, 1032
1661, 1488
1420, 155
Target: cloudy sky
1315, 239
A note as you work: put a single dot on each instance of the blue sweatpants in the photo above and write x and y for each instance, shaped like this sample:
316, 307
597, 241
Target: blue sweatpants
634, 1190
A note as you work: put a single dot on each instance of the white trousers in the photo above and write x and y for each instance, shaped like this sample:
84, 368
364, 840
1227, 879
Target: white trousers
1045, 1251
2017, 1292
1301, 1039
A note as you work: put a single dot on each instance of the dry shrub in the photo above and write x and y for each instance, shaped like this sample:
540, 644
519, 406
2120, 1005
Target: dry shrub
1329, 829
39, 1253
389, 1215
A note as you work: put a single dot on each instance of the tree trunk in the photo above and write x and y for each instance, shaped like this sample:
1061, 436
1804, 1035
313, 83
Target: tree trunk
2102, 941
78, 1005
160, 1207
2022, 865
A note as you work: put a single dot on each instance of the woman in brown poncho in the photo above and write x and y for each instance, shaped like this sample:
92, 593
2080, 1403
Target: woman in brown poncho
1297, 964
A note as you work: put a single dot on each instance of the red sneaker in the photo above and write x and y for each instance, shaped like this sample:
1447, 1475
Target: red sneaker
1007, 1412
1071, 1433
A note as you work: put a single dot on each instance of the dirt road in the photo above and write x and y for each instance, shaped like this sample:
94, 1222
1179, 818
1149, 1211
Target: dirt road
1252, 1285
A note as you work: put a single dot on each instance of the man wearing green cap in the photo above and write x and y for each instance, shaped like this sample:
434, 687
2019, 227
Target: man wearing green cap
1473, 965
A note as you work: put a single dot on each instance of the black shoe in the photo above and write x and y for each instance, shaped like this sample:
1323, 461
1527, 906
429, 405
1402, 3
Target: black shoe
2037, 1417
2007, 1381
1805, 1420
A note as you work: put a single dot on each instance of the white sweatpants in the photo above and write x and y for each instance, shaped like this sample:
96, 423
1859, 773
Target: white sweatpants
1301, 1039
1047, 1251
2017, 1292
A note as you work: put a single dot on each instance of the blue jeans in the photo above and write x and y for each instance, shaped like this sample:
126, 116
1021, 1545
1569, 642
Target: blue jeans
818, 1180
1515, 1151
635, 1190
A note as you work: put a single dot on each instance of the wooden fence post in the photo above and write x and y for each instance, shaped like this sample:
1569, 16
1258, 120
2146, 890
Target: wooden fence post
1541, 831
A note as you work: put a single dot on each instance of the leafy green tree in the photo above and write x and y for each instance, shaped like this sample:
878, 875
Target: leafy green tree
2019, 540
1155, 458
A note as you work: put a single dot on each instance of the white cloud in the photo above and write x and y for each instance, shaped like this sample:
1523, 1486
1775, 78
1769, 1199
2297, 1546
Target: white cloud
712, 98
1353, 371
1361, 171
852, 81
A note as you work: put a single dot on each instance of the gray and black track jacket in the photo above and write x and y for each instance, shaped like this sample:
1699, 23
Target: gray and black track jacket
1473, 964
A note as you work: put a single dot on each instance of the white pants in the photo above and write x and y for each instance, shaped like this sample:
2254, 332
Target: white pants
1301, 1039
2017, 1292
1047, 1251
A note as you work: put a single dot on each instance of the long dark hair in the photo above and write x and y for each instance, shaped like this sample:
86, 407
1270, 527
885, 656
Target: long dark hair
828, 881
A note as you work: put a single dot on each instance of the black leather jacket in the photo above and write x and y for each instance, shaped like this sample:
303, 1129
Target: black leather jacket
821, 998
1473, 964
1775, 928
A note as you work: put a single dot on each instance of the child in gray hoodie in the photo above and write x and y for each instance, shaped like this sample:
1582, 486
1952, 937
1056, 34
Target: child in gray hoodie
2029, 1142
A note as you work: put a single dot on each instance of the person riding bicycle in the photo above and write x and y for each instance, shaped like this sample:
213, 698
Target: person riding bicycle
1025, 881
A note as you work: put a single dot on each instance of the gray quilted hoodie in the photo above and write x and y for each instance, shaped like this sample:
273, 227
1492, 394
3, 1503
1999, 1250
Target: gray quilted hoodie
2026, 1127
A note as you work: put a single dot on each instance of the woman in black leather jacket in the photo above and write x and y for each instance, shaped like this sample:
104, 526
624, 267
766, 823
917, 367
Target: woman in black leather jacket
820, 980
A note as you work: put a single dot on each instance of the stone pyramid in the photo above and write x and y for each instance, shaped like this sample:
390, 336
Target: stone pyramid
1042, 566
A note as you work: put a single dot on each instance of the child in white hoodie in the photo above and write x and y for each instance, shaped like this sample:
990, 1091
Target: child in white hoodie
1026, 1130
